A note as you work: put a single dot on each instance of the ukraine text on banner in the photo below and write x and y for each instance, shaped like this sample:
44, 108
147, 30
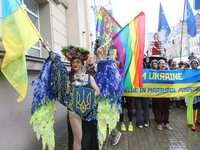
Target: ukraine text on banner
18, 36
163, 24
108, 27
129, 42
167, 83
188, 16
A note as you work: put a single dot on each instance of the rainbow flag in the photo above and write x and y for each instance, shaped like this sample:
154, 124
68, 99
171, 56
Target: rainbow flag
129, 42
108, 27
18, 36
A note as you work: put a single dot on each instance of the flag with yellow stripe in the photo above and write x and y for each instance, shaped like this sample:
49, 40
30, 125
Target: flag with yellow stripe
18, 36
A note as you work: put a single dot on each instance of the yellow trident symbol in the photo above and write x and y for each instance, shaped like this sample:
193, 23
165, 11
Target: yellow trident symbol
85, 104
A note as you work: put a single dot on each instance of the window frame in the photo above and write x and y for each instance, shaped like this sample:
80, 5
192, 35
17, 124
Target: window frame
37, 16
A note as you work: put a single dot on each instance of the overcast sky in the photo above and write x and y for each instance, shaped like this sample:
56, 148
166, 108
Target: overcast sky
125, 10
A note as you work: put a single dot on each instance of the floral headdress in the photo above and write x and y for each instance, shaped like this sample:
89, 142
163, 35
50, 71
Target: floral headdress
71, 51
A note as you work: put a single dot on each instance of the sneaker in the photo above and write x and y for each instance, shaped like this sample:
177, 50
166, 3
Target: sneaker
168, 127
180, 106
140, 126
130, 127
146, 125
123, 128
115, 139
160, 127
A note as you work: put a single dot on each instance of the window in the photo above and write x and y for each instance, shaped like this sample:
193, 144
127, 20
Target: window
31, 9
173, 42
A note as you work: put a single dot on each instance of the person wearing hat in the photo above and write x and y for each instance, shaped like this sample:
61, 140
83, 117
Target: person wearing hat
74, 91
193, 103
68, 87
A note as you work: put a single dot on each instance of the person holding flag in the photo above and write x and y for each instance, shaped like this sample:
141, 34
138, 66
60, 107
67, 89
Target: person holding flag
73, 90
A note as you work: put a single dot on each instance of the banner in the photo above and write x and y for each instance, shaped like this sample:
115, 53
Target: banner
167, 83
156, 44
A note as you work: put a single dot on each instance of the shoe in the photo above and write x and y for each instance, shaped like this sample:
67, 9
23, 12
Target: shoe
140, 126
130, 127
193, 128
146, 125
180, 106
160, 127
168, 127
115, 139
123, 128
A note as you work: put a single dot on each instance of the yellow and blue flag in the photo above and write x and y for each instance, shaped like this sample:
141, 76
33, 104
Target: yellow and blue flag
188, 16
18, 36
163, 24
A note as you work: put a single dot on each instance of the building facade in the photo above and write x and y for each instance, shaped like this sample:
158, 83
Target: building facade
60, 22
189, 44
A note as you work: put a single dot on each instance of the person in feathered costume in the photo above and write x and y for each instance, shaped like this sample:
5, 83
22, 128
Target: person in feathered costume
109, 106
55, 83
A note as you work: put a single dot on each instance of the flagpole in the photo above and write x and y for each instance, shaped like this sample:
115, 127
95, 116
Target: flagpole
181, 41
107, 42
182, 32
48, 48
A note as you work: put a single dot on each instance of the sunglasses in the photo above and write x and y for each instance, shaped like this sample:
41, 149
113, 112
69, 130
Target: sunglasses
78, 62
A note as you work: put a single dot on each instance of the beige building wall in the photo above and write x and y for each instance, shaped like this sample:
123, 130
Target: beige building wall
78, 19
59, 26
61, 22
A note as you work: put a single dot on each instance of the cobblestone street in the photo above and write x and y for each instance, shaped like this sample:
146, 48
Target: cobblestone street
181, 138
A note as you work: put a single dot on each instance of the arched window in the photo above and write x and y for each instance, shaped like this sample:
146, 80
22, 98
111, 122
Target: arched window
32, 11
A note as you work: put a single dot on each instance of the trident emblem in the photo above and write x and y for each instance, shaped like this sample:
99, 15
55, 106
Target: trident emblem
83, 101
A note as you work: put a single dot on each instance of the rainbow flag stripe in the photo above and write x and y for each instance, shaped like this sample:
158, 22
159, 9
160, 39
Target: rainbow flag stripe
130, 42
99, 20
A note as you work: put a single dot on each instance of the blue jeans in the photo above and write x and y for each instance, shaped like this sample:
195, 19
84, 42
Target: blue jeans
142, 104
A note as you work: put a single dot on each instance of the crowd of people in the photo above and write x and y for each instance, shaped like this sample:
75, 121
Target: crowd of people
84, 130
160, 106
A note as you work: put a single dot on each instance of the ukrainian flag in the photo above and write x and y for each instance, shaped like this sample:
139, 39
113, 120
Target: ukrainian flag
18, 36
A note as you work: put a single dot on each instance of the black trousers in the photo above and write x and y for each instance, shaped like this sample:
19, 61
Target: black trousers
127, 105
